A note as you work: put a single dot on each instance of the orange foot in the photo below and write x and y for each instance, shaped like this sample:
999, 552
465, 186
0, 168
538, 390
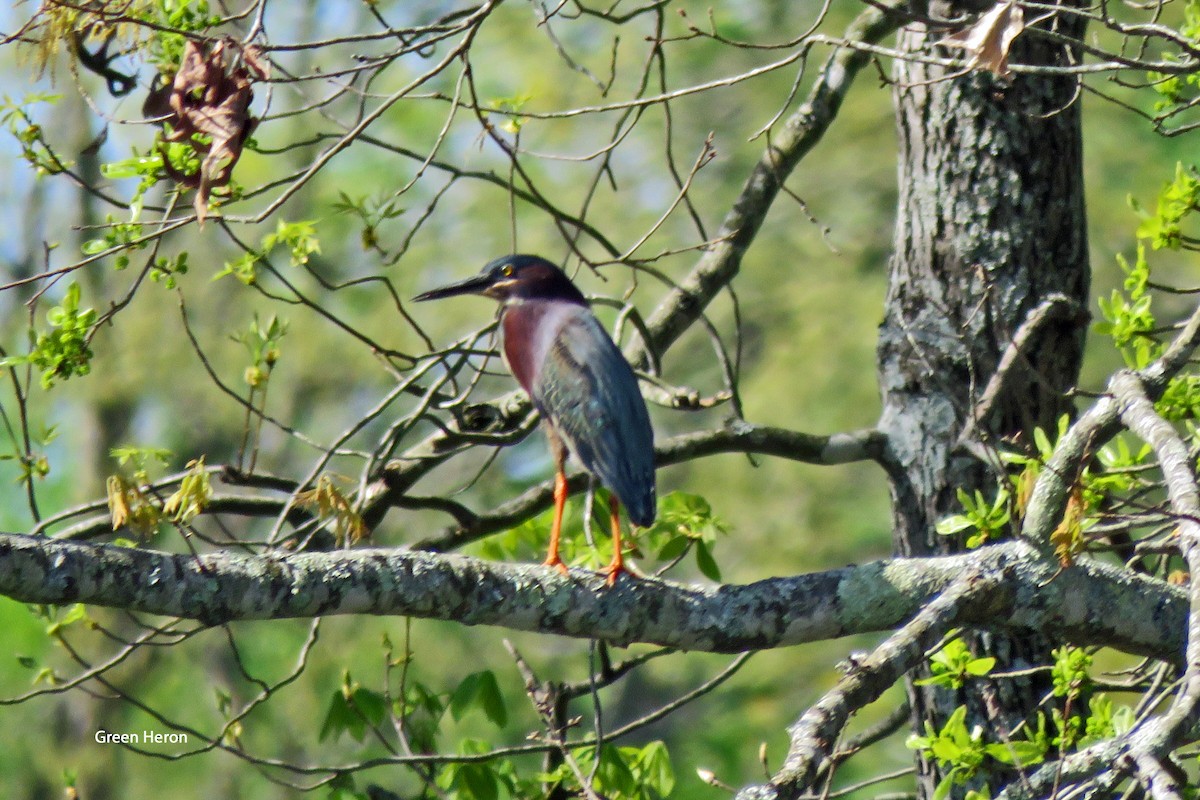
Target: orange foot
558, 564
613, 571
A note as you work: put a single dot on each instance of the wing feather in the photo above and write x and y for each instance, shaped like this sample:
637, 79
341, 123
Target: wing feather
590, 394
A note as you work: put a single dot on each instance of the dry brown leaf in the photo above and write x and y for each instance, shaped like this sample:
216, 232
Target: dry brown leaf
990, 37
209, 95
1023, 492
1067, 538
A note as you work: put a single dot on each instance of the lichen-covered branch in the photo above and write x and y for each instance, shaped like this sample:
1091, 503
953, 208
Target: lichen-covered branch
1151, 745
1085, 604
815, 734
1093, 428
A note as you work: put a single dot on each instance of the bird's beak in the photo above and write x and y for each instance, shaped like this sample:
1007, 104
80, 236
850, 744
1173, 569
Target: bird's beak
476, 284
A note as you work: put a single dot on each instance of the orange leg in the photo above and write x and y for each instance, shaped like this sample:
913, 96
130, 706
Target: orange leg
560, 501
618, 560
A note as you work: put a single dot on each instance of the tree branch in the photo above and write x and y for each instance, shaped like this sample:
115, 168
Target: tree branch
1085, 604
1054, 307
683, 305
1144, 750
1093, 428
800, 133
815, 734
1153, 742
737, 437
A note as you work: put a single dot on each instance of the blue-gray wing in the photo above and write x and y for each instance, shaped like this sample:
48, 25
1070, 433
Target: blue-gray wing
590, 394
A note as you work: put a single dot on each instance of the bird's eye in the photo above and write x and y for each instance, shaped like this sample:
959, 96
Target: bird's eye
506, 270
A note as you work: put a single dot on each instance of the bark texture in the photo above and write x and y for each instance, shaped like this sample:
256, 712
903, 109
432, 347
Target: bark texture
990, 233
1087, 604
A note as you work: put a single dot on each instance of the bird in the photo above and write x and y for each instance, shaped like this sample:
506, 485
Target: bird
584, 389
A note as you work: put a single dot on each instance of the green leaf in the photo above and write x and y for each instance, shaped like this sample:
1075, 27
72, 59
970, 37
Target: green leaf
560, 774
964, 499
13, 361
945, 749
674, 548
193, 494
705, 562
653, 769
299, 237
370, 704
147, 167
1017, 753
463, 697
492, 700
342, 788
341, 718
472, 781
479, 690
76, 612
1069, 672
479, 782
422, 711
469, 781
614, 777
981, 666
1042, 442
63, 351
689, 515
941, 679
139, 457
955, 524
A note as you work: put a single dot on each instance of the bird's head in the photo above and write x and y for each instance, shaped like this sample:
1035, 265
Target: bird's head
514, 278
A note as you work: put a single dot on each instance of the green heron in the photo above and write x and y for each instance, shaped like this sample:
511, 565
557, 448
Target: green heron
578, 380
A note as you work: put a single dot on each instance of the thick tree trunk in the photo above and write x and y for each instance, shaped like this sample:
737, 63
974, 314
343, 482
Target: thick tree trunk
990, 235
